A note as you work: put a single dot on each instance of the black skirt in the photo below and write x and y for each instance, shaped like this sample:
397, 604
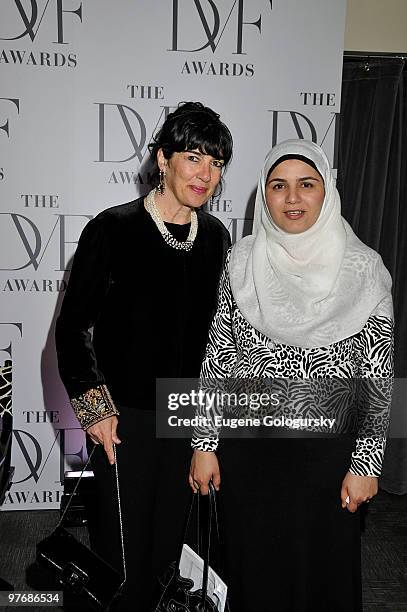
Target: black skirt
289, 545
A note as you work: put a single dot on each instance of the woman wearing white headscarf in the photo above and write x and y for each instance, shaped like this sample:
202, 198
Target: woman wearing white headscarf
302, 298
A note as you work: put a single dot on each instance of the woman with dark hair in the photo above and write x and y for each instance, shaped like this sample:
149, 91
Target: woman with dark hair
304, 312
140, 299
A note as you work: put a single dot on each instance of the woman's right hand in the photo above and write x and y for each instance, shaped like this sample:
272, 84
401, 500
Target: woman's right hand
104, 432
204, 467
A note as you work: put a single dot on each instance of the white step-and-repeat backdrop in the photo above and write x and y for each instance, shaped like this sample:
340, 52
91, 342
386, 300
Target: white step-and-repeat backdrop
83, 86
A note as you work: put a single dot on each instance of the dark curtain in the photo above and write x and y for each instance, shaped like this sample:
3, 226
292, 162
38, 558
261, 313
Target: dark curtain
372, 181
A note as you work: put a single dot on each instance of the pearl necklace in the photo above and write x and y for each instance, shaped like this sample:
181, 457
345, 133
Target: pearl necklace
151, 207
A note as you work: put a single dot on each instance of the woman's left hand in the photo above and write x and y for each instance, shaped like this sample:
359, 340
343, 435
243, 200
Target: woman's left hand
359, 489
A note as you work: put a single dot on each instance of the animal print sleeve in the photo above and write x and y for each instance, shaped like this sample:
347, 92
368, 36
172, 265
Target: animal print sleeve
374, 351
218, 363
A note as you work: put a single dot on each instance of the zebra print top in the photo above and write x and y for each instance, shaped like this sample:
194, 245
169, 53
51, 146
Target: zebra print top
236, 350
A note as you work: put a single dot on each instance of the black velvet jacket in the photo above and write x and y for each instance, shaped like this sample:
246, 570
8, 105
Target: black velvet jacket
135, 308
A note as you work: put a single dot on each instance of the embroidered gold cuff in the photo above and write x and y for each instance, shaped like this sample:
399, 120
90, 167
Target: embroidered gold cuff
93, 406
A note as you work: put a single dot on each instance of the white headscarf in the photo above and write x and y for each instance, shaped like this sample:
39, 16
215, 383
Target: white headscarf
309, 289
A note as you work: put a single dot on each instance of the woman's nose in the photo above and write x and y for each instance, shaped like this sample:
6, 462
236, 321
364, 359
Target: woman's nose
205, 172
292, 196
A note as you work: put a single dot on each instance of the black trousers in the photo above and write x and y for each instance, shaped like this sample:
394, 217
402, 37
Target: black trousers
153, 476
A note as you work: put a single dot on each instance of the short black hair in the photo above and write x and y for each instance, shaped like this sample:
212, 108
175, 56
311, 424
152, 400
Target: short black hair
193, 126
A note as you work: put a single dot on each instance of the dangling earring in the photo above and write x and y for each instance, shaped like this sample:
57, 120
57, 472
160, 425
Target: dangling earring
161, 184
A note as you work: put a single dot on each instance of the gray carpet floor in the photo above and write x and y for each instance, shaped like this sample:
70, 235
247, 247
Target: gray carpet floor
384, 552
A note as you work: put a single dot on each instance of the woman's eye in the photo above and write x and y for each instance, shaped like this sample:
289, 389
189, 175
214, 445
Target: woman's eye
192, 158
217, 163
307, 185
278, 186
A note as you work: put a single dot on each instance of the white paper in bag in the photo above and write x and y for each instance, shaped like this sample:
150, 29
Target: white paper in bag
191, 566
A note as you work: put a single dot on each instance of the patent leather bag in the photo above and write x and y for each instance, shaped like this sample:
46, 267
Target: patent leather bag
93, 581
176, 595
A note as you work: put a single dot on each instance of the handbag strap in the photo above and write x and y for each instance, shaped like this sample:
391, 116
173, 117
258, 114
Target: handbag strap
215, 522
195, 496
212, 503
118, 504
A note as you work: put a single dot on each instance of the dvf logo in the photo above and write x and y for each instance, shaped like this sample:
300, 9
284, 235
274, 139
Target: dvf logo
30, 14
135, 129
34, 244
212, 24
5, 126
7, 339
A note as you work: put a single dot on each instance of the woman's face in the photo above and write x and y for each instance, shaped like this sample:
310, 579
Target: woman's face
191, 177
294, 195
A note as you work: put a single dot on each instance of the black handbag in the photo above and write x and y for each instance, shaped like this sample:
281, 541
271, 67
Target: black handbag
76, 567
176, 590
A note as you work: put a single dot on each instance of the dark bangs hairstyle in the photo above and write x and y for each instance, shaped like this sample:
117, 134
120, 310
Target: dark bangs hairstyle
193, 126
